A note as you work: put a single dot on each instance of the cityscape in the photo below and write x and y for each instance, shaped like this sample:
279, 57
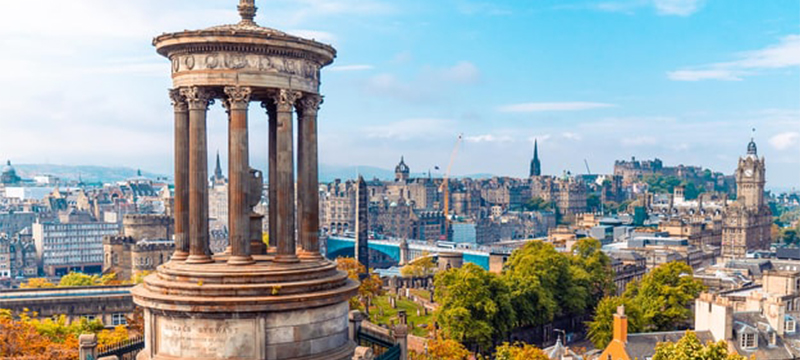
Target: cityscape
578, 186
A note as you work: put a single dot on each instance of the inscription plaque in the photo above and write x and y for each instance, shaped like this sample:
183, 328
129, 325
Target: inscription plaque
206, 339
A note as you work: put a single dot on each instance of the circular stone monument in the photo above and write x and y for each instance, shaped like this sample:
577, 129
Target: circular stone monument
284, 301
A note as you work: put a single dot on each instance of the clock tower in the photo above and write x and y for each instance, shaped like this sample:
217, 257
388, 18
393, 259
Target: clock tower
750, 179
748, 220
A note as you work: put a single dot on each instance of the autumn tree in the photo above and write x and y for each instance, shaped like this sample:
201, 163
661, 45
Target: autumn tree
690, 348
519, 351
37, 283
442, 349
423, 266
370, 287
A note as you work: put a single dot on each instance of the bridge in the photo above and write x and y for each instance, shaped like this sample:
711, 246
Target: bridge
387, 253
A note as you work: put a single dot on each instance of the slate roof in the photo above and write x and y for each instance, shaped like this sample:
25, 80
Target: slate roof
643, 345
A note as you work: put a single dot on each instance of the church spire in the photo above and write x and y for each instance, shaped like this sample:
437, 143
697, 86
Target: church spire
218, 169
536, 165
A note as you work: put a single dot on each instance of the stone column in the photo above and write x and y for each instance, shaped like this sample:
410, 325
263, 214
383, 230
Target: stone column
308, 177
284, 226
87, 347
272, 140
355, 318
238, 99
199, 99
181, 199
401, 334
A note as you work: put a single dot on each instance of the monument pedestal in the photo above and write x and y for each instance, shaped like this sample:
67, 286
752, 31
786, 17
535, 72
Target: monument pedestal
261, 311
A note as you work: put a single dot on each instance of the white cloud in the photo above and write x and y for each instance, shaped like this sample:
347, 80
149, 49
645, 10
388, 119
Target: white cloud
677, 7
411, 129
639, 141
572, 136
489, 138
784, 54
662, 7
354, 67
552, 106
464, 72
785, 140
697, 75
316, 35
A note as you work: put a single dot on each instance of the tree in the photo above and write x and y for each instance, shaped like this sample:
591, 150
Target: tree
370, 287
540, 262
37, 283
20, 338
690, 348
475, 306
423, 266
519, 351
601, 327
442, 349
108, 337
789, 236
537, 204
77, 279
597, 274
664, 295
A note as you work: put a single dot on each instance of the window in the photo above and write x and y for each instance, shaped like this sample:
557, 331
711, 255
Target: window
118, 319
789, 325
748, 340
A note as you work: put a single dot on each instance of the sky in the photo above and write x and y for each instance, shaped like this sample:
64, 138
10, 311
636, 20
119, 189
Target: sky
685, 81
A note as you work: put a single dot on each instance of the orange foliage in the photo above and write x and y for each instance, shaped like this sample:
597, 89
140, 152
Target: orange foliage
21, 340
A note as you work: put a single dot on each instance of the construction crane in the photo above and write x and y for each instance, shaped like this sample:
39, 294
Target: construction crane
588, 172
445, 188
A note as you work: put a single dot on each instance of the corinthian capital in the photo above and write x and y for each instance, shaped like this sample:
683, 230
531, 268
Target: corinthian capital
310, 103
178, 100
199, 98
285, 98
238, 97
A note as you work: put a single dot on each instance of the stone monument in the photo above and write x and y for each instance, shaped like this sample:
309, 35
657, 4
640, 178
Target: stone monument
362, 227
252, 302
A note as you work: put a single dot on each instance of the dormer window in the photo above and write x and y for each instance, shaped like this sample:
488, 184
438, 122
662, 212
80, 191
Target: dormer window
789, 324
748, 340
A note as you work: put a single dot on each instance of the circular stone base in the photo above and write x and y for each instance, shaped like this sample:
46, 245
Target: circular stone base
260, 311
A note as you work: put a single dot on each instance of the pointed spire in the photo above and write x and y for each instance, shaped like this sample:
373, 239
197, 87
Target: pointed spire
218, 168
536, 149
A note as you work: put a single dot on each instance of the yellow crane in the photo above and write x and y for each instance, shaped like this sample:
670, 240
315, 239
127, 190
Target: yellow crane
444, 187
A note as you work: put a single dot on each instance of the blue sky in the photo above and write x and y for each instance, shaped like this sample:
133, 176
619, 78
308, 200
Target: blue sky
682, 80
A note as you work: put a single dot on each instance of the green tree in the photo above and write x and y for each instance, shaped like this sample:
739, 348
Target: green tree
539, 262
690, 348
423, 266
665, 295
789, 236
601, 327
475, 306
538, 204
593, 269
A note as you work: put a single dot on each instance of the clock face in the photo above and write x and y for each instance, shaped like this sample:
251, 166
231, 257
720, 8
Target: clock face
748, 172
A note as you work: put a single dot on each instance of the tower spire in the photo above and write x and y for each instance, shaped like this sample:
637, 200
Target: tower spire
218, 169
536, 165
247, 10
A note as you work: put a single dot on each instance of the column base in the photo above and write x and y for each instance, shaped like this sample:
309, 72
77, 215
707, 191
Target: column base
179, 256
310, 255
199, 259
286, 259
240, 260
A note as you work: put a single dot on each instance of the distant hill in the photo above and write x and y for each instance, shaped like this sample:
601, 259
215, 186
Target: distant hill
87, 173
104, 174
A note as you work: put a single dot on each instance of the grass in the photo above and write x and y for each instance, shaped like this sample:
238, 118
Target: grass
424, 294
389, 314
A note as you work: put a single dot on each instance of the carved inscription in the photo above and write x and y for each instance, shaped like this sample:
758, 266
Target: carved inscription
204, 338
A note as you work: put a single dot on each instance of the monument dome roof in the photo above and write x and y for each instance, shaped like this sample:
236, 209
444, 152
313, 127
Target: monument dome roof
8, 169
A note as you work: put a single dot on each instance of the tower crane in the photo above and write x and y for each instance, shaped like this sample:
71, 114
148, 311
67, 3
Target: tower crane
444, 187
588, 171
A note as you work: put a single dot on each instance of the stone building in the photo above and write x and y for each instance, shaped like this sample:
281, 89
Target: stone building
22, 257
218, 199
9, 175
747, 221
12, 222
73, 243
145, 243
338, 206
567, 193
111, 304
5, 257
